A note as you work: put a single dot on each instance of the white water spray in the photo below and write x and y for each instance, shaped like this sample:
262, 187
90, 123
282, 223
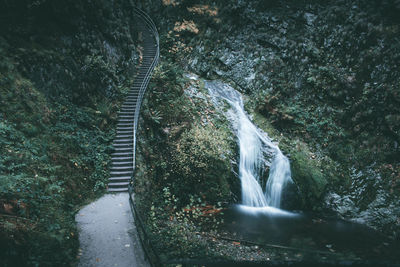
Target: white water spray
253, 144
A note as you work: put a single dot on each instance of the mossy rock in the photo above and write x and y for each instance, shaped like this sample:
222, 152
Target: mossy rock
310, 180
202, 164
306, 170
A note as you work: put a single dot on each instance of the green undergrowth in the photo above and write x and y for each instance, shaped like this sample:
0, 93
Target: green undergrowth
185, 170
60, 87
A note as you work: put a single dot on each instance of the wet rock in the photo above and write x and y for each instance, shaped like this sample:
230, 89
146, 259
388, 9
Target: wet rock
291, 198
307, 175
309, 17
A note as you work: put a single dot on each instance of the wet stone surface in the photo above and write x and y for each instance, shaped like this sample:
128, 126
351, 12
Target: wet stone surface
107, 233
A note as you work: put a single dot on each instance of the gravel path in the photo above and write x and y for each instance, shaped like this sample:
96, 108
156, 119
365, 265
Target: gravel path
107, 234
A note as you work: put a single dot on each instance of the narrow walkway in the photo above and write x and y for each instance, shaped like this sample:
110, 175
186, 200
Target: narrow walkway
123, 158
108, 235
107, 232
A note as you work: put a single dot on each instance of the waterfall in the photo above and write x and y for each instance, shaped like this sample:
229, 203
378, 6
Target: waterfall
253, 145
279, 176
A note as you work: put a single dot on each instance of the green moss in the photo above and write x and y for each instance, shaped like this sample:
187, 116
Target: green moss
306, 172
265, 125
201, 163
310, 172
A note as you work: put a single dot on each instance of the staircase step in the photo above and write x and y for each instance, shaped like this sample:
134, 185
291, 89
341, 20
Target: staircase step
118, 184
124, 140
122, 163
125, 123
123, 145
124, 130
126, 116
122, 157
123, 150
120, 179
128, 110
122, 189
128, 135
124, 133
131, 97
121, 128
121, 169
130, 102
129, 119
121, 173
125, 164
129, 105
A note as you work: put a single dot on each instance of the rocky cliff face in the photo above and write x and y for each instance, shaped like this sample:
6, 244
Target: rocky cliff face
323, 75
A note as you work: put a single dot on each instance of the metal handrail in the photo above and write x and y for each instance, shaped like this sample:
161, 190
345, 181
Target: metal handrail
151, 28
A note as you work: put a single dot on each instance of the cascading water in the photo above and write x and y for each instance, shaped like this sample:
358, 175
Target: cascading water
253, 144
279, 176
260, 218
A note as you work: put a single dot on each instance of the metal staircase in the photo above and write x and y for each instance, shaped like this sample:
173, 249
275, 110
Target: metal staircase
123, 157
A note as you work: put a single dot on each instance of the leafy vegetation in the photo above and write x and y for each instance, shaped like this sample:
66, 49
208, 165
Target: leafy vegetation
184, 169
61, 79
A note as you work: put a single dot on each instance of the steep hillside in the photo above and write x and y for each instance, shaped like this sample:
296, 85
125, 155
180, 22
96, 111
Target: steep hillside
64, 68
321, 79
